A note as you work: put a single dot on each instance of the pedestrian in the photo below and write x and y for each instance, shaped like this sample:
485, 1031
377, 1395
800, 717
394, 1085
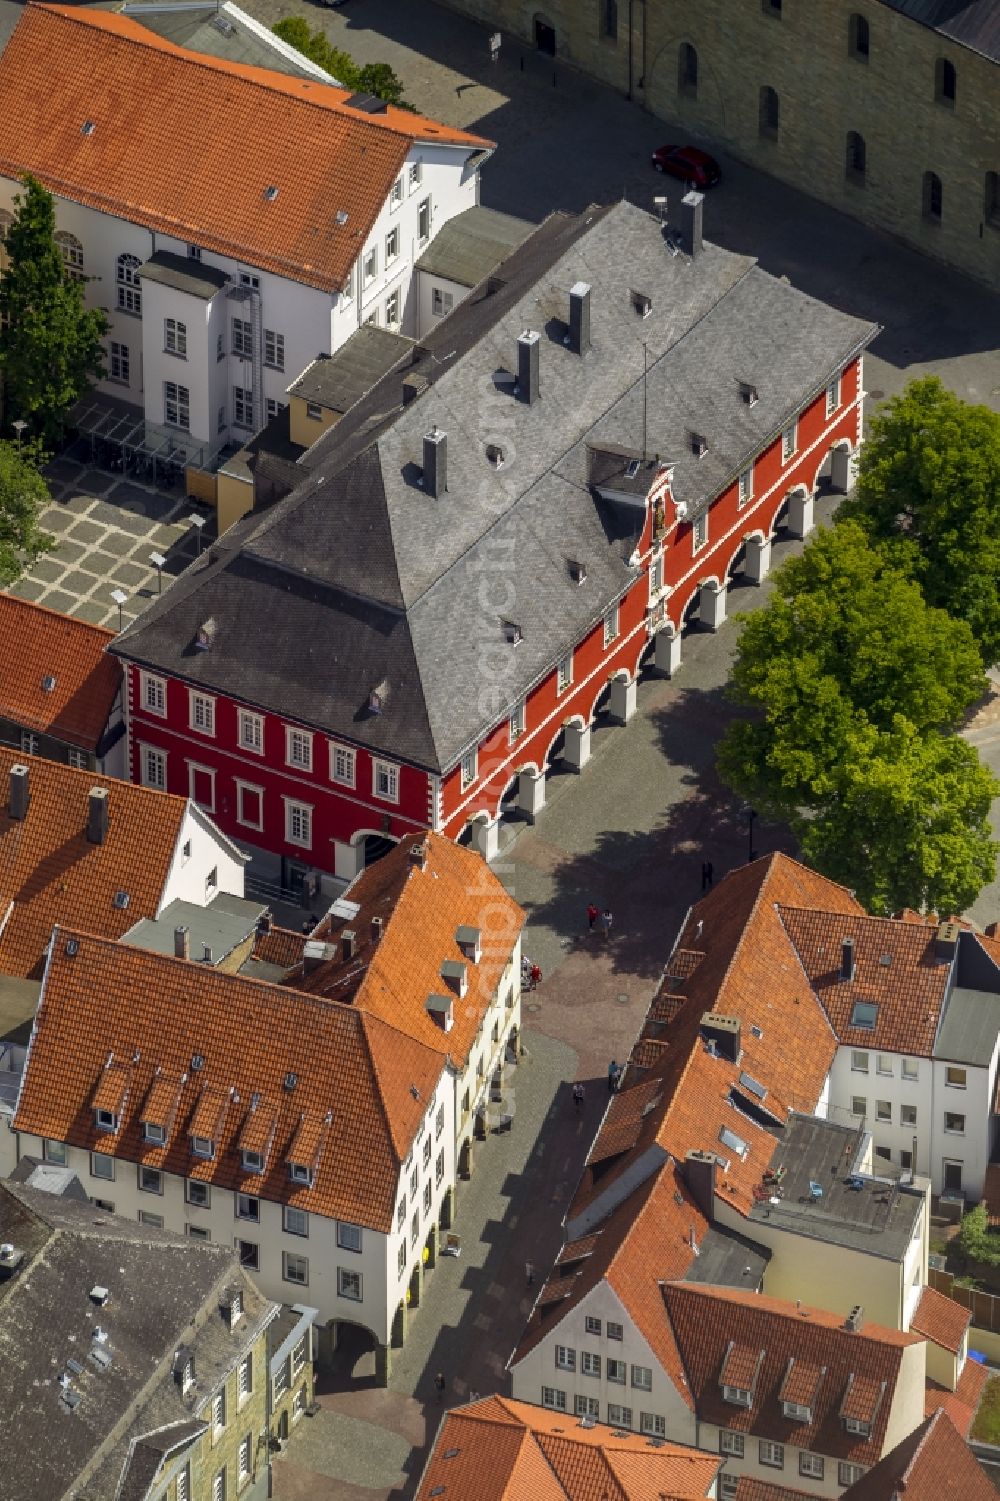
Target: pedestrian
592, 916
612, 1076
439, 1385
607, 918
529, 1273
536, 977
578, 1097
704, 875
710, 869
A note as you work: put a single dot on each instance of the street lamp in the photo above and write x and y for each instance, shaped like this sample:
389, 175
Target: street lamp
120, 598
19, 425
751, 814
159, 562
198, 522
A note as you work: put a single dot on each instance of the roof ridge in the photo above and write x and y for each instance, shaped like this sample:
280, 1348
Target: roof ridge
12, 601
938, 1412
863, 917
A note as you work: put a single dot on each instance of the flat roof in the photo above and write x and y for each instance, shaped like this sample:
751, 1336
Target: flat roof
184, 274
224, 924
727, 1259
855, 1210
968, 1032
337, 381
472, 245
18, 1003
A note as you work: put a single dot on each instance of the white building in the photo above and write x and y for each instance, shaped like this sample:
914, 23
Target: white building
235, 223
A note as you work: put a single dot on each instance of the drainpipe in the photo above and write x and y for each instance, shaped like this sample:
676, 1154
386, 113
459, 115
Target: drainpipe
631, 8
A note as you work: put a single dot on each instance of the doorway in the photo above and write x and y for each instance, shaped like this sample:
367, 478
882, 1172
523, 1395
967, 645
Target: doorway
952, 1176
545, 37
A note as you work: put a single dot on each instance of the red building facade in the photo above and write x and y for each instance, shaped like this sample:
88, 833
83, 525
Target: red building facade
306, 804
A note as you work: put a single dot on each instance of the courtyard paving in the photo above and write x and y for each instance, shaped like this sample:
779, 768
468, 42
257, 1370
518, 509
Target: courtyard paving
106, 528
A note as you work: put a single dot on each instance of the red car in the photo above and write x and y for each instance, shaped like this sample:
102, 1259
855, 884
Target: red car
689, 164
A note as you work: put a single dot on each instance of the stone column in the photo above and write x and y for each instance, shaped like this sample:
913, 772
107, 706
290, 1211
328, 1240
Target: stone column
758, 562
531, 793
486, 837
576, 752
800, 514
843, 470
712, 604
383, 1364
348, 859
667, 651
621, 704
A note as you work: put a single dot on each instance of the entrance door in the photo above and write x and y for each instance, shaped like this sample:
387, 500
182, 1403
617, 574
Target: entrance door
952, 1177
545, 37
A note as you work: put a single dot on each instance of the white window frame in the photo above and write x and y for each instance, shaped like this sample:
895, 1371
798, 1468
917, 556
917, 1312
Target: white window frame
774, 1451
699, 532
731, 1443
274, 349
517, 720
908, 1115
391, 773
176, 399
910, 1069
586, 1407
175, 338
423, 206
242, 788
553, 1398
392, 245
590, 1363
744, 485
738, 1396
833, 396
565, 1358
564, 673
250, 1218
811, 1464
619, 1416
243, 407
119, 363
150, 682
350, 1237
350, 764
148, 754
244, 1459
195, 769
883, 1112
856, 1066
653, 1423
396, 194
392, 313
612, 624
369, 266
290, 1259
951, 1083
415, 175
469, 769
644, 1373
883, 1065
592, 1325
203, 705
290, 1218
347, 1280
848, 1474
294, 736
954, 1130
254, 723
789, 442
105, 1161
301, 813
442, 302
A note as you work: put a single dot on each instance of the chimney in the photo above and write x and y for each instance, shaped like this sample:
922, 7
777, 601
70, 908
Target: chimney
418, 855
847, 959
97, 815
378, 926
691, 210
315, 952
19, 797
579, 317
206, 953
724, 1032
947, 940
435, 462
699, 1175
855, 1319
528, 346
182, 942
348, 944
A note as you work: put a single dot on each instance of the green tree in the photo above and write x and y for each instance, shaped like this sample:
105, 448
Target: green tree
50, 344
852, 683
23, 494
929, 486
370, 78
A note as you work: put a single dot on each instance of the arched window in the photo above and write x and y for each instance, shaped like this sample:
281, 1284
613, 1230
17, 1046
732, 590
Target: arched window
933, 197
129, 289
72, 254
857, 158
770, 113
991, 200
858, 38
945, 82
687, 70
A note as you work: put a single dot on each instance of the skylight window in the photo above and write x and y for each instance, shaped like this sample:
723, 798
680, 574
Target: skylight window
864, 1014
734, 1143
753, 1086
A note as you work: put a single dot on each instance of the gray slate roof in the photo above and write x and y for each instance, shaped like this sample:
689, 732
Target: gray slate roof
360, 580
184, 274
338, 380
969, 1027
217, 33
160, 1285
972, 23
223, 925
473, 244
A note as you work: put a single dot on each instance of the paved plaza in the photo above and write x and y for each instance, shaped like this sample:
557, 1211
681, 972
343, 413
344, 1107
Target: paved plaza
106, 528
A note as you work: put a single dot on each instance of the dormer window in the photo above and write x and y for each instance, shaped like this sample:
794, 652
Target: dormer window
631, 468
299, 1172
233, 1306
748, 394
253, 1162
642, 304
470, 941
857, 1426
494, 455
577, 571
737, 1395
187, 1376
107, 1120
202, 1146
155, 1134
699, 445
797, 1412
511, 632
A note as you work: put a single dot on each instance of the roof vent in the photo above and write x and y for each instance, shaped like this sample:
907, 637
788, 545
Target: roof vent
369, 104
855, 1318
511, 632
577, 571
18, 795
348, 944
315, 952
418, 854
270, 193
97, 817
435, 476
528, 355
642, 303
455, 974
749, 395
205, 635
206, 954
699, 445
222, 24
341, 217
99, 1295
87, 128
121, 900
48, 683
72, 948
291, 1079
579, 318
197, 1063
470, 941
378, 928
494, 455
11, 1257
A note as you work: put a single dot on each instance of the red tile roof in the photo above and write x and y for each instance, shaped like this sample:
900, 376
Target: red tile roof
895, 967
749, 1489
864, 1363
941, 1319
335, 1076
53, 874
933, 1463
158, 157
961, 1404
421, 910
502, 1450
39, 646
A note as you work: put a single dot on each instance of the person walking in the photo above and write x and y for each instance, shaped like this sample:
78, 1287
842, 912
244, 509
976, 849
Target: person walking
592, 916
612, 1076
607, 918
439, 1385
529, 1273
578, 1097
